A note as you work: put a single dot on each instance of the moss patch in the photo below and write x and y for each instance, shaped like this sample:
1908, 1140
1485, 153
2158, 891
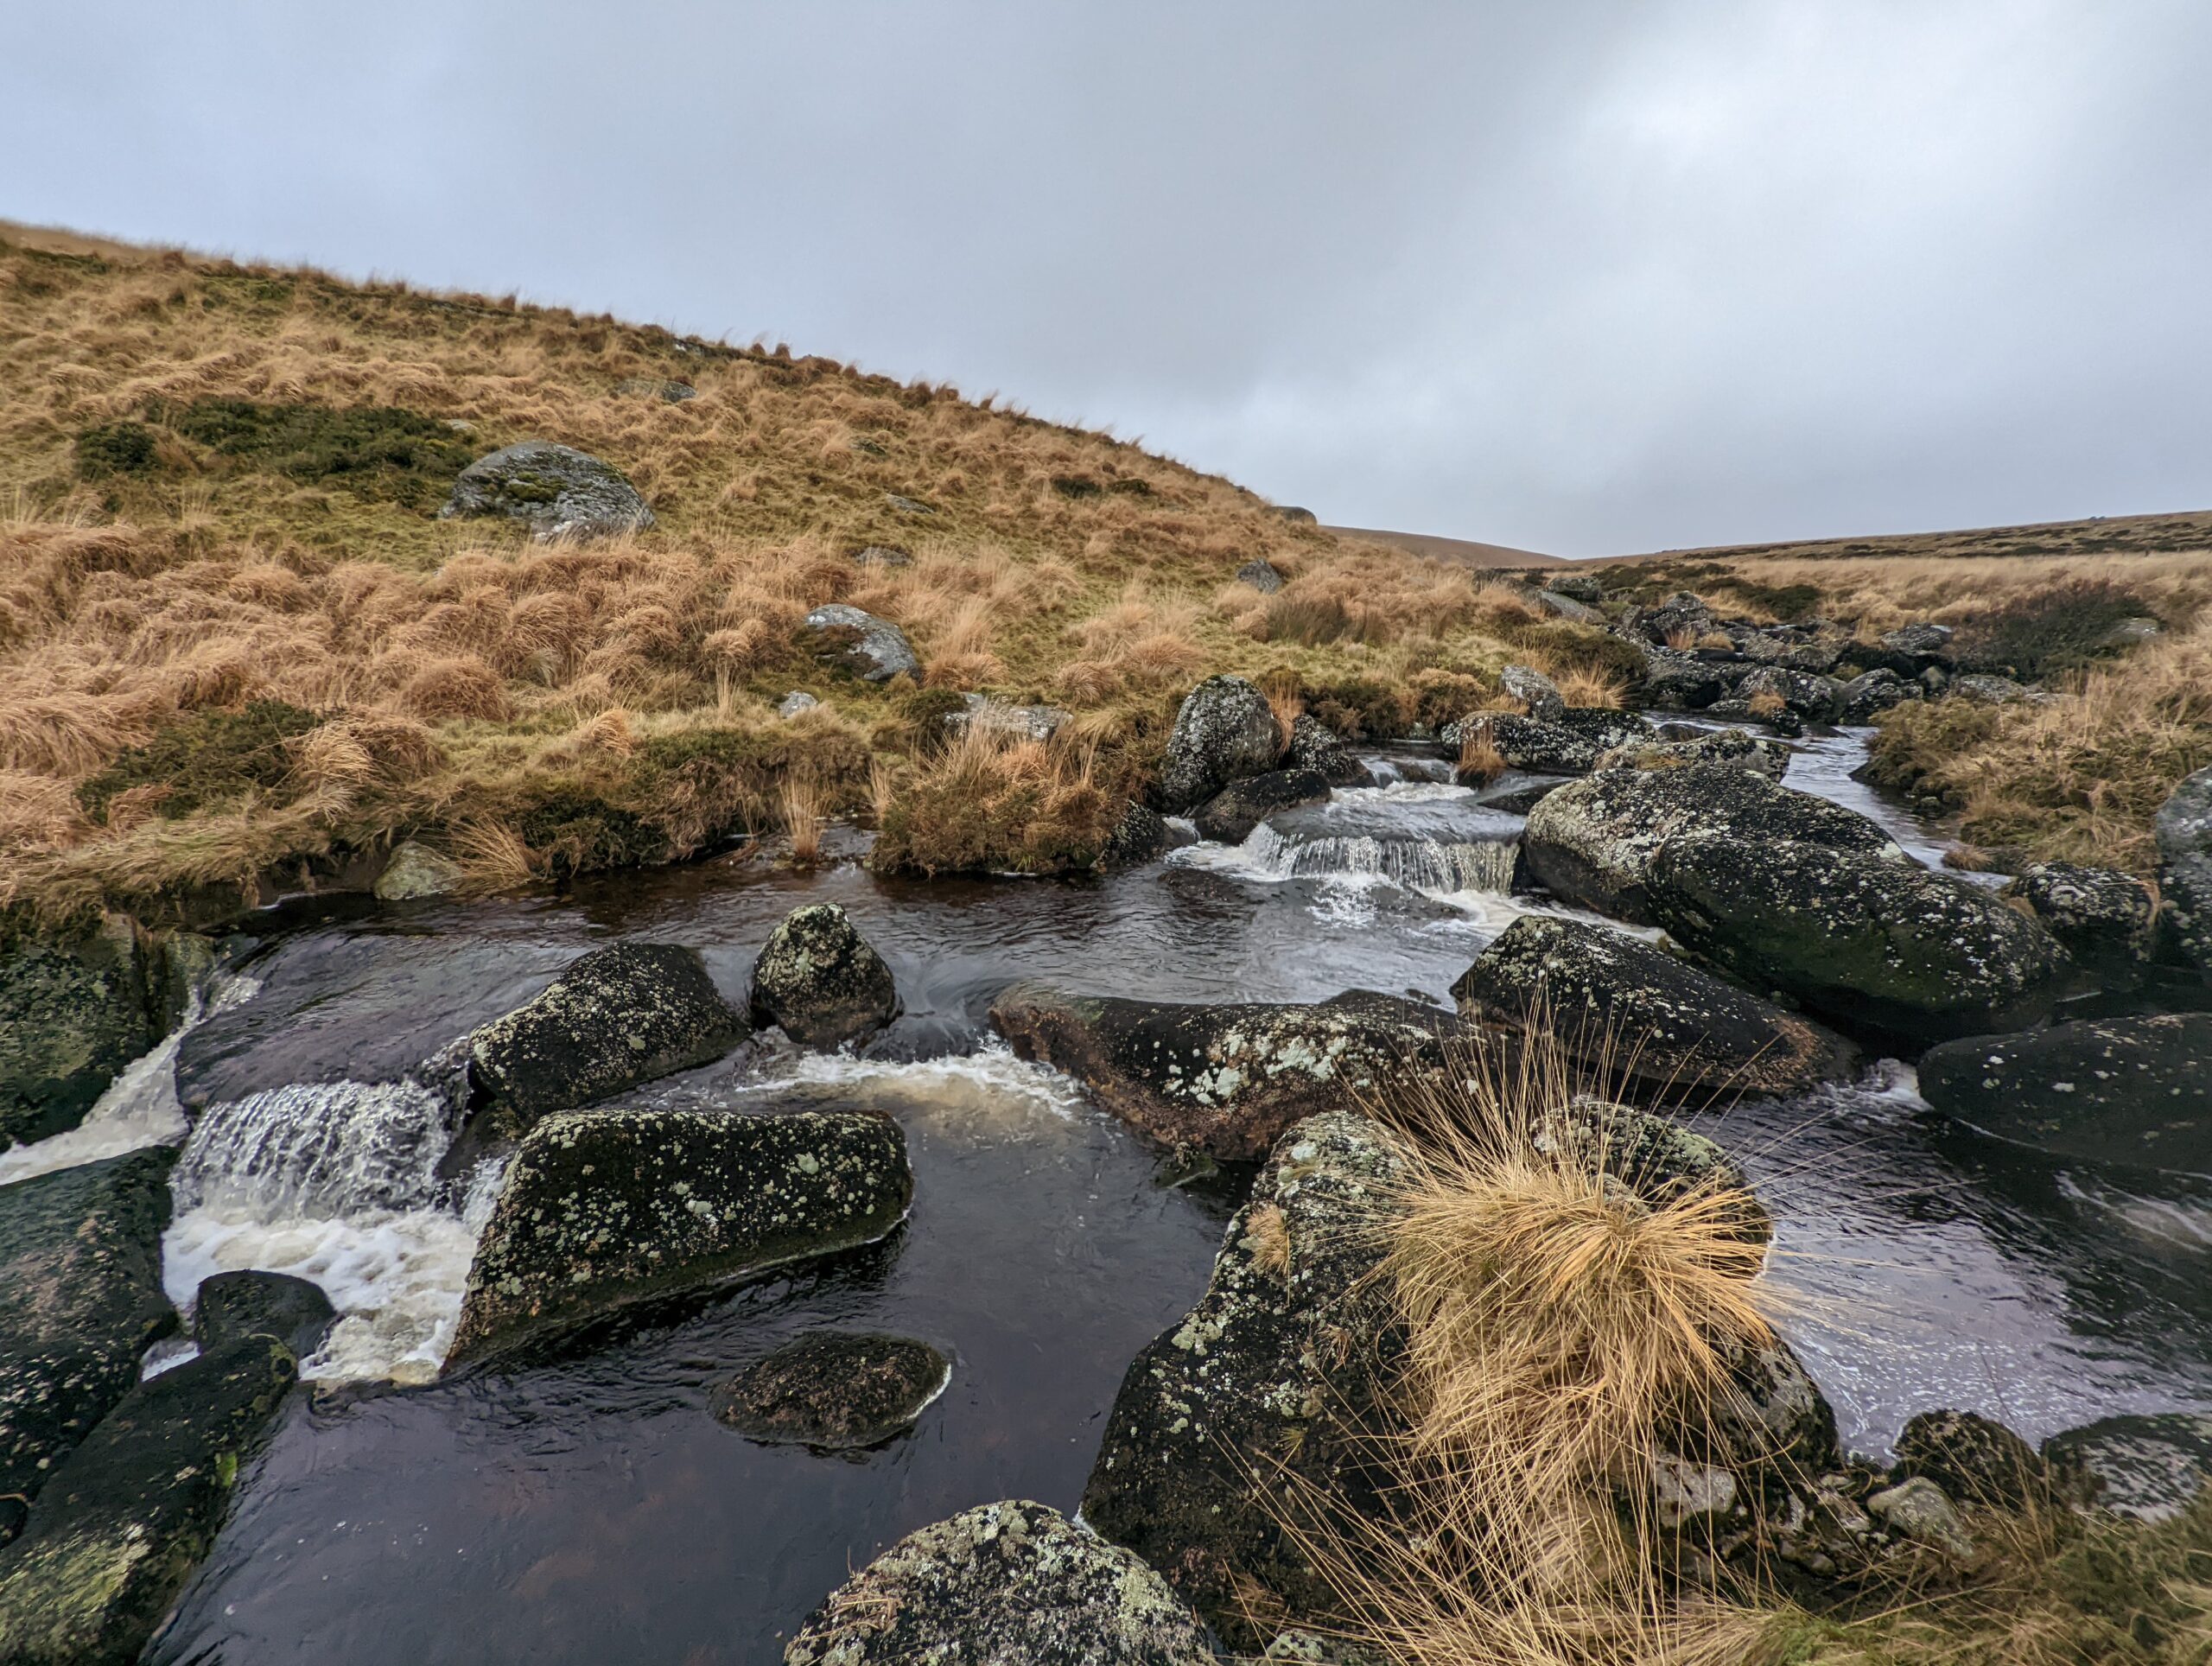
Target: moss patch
384, 452
203, 760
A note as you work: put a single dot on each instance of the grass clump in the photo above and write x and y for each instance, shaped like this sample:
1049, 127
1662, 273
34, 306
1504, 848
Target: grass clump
992, 803
114, 448
208, 757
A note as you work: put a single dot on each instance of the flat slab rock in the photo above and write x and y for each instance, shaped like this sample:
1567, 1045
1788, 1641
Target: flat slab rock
1224, 1080
833, 1391
1009, 1584
601, 1209
1230, 815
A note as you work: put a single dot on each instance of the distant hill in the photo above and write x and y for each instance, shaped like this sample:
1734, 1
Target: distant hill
2117, 535
1465, 551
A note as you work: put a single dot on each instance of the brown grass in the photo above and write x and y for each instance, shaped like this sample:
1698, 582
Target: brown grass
1480, 761
798, 812
1582, 686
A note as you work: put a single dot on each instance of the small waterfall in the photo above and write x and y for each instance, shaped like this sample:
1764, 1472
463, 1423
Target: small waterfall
1435, 868
319, 1149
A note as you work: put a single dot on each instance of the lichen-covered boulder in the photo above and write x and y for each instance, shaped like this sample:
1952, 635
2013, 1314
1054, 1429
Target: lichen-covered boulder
604, 1208
797, 700
1727, 745
75, 1008
119, 1529
833, 1391
1537, 693
1594, 841
1658, 1024
1812, 698
1141, 835
1277, 1364
1582, 587
614, 1018
1314, 746
1683, 680
821, 980
1867, 697
2184, 832
1260, 573
1231, 814
1975, 1459
1565, 606
1655, 1157
1526, 743
1010, 1584
230, 1306
416, 871
1792, 647
874, 648
2151, 1467
1224, 1080
1677, 622
1922, 641
560, 492
2109, 1090
1984, 690
1224, 730
80, 1297
1867, 938
2104, 918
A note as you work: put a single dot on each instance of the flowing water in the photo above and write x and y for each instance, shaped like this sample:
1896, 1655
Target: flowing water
587, 1508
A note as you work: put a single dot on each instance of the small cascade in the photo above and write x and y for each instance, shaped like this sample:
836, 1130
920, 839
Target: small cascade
319, 1149
1433, 867
1389, 769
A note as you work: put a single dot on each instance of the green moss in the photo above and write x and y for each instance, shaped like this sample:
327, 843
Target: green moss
576, 833
385, 452
205, 758
115, 449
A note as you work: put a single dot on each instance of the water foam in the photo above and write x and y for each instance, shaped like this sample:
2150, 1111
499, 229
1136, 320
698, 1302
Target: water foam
988, 1082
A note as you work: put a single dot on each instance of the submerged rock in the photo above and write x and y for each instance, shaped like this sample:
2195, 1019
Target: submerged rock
1231, 814
80, 1265
1225, 731
2151, 1467
1314, 746
119, 1529
820, 981
604, 1208
1727, 745
1594, 841
1628, 1009
416, 871
560, 492
232, 1306
875, 649
1224, 1080
2185, 831
1273, 1367
2103, 918
833, 1391
75, 1008
1867, 938
1010, 1584
1536, 691
613, 1019
2112, 1090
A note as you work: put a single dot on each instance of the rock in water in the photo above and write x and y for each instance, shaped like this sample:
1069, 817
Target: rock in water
604, 1208
2102, 917
874, 648
1268, 1369
1975, 1459
1728, 746
1141, 835
821, 980
1011, 1584
2149, 1467
2109, 1090
80, 1265
1226, 1080
1815, 699
1569, 743
75, 1009
1628, 1007
561, 493
119, 1529
1314, 746
1536, 691
2184, 827
1231, 814
1224, 730
1654, 1157
833, 1391
1870, 940
1594, 841
276, 1306
617, 1017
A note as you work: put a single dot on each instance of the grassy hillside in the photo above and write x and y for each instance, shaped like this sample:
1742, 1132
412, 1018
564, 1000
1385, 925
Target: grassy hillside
235, 640
1466, 552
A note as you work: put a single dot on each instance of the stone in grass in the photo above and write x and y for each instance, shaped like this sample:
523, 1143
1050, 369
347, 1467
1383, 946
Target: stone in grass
559, 491
1260, 573
833, 1391
873, 647
416, 871
1920, 1510
613, 1019
820, 981
1009, 1584
797, 700
1536, 691
601, 1209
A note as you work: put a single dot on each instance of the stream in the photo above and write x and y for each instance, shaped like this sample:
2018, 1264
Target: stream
588, 1509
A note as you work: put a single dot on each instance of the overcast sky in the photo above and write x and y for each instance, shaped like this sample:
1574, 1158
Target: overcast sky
1583, 277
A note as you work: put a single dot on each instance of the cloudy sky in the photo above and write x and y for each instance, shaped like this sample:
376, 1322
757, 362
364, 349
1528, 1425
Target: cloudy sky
1581, 275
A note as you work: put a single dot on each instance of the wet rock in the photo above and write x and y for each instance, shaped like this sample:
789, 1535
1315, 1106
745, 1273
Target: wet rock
1011, 1584
276, 1306
1231, 814
601, 1209
112, 1539
874, 648
75, 1008
2104, 918
1986, 691
995, 716
1918, 1510
1224, 1080
1771, 1423
416, 871
1662, 1026
833, 1391
1866, 938
1657, 1158
2151, 1468
1536, 691
1975, 1459
1684, 681
1919, 640
797, 700
2184, 832
821, 980
1815, 699
1594, 841
1675, 623
1866, 697
1569, 744
613, 1019
1604, 728
1225, 731
1271, 1368
1260, 573
1728, 746
1314, 747
1582, 587
1141, 835
2112, 1090
80, 1263
561, 492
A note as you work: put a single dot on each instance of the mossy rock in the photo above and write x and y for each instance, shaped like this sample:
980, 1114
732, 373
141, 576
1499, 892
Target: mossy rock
76, 1006
834, 1392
